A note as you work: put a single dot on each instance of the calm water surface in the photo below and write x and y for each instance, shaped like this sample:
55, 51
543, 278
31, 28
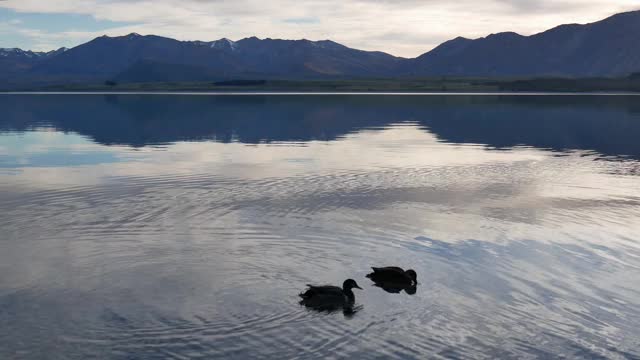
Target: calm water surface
159, 227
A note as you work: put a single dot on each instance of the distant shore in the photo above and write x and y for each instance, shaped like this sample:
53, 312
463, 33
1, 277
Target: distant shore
629, 84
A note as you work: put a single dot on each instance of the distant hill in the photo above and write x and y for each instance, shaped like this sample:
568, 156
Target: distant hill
606, 48
121, 57
145, 71
14, 61
603, 49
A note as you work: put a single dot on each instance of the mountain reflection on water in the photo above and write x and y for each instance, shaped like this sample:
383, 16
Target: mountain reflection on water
173, 227
606, 124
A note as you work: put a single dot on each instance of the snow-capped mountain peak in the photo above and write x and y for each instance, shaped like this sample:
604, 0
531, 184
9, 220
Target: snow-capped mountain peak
133, 36
224, 43
19, 53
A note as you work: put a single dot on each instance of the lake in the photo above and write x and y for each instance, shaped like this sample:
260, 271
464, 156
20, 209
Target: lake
176, 226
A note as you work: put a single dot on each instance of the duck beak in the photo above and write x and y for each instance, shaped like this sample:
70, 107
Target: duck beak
358, 287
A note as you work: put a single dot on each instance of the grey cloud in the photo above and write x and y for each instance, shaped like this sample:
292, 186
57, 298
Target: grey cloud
401, 27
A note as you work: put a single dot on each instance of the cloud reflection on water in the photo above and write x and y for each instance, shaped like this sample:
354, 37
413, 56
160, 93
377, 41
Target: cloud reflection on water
199, 246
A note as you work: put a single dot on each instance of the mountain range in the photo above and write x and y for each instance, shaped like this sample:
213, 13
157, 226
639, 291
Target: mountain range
606, 48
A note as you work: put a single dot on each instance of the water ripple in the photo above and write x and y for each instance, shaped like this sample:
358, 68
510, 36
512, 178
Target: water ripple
199, 249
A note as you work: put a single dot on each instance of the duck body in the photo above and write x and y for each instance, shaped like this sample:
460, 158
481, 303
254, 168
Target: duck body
328, 297
393, 275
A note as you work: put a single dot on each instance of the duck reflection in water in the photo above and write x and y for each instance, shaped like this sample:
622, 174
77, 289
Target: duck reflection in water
394, 279
331, 298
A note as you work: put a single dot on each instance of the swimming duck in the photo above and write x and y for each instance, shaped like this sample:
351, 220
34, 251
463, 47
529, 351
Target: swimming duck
330, 297
394, 275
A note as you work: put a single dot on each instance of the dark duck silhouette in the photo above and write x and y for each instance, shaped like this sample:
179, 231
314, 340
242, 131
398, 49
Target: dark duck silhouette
394, 279
330, 297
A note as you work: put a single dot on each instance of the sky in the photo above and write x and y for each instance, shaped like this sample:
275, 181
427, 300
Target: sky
400, 27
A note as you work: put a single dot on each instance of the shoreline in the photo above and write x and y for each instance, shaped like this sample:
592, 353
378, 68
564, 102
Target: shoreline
424, 86
323, 93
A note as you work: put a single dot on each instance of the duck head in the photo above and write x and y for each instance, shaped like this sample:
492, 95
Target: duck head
350, 284
412, 275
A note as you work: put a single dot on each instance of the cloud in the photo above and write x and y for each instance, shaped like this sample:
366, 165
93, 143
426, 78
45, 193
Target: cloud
401, 27
302, 20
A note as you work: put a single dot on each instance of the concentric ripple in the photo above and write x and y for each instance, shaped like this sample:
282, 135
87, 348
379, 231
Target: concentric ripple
525, 246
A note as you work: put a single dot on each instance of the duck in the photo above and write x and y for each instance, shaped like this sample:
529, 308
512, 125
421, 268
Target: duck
394, 275
329, 297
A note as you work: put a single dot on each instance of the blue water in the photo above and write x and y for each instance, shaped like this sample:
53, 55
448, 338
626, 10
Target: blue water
164, 226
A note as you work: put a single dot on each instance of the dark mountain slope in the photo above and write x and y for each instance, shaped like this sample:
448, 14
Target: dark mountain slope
145, 71
107, 57
603, 49
17, 60
312, 58
606, 48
